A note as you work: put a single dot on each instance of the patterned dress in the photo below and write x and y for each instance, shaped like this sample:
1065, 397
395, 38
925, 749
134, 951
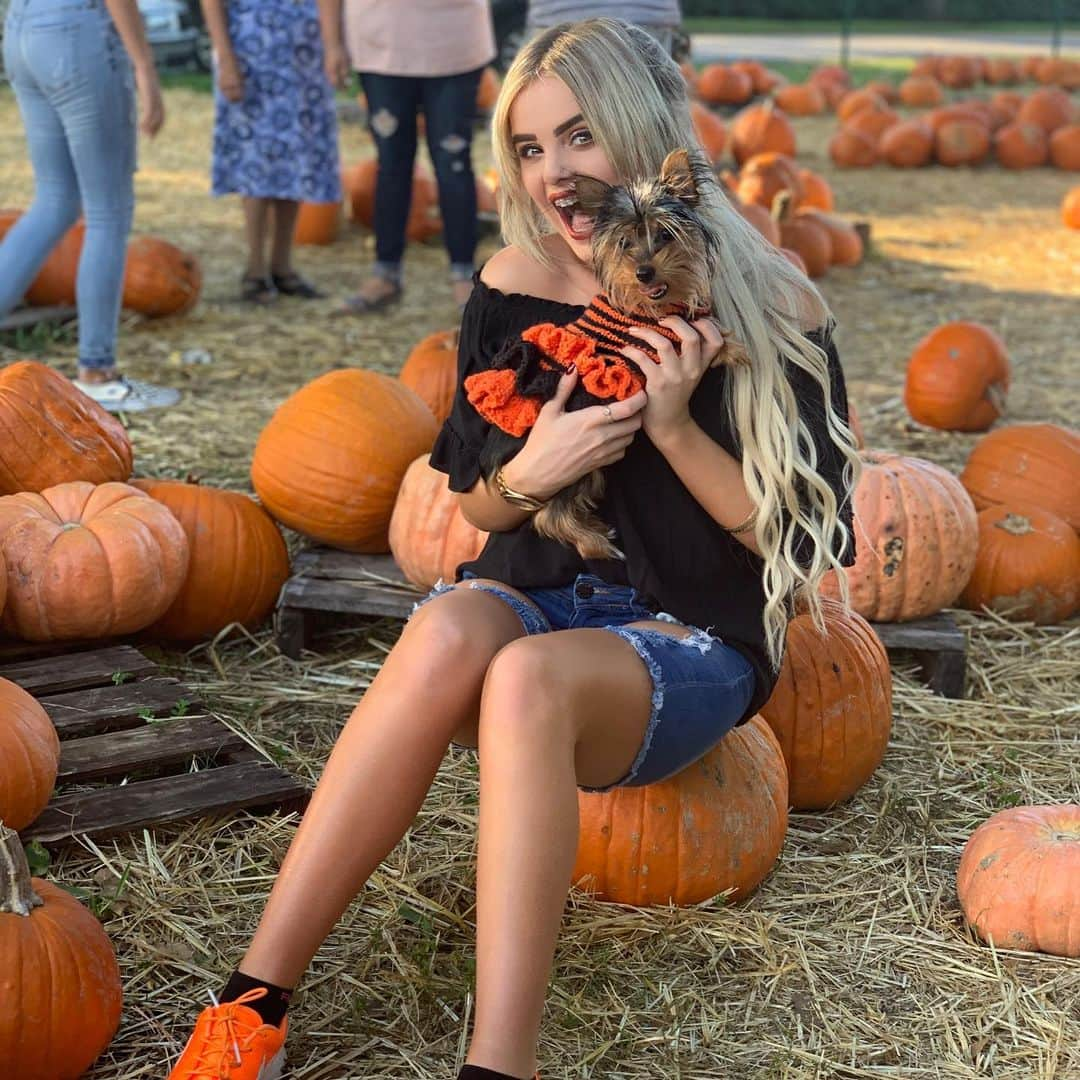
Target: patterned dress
280, 141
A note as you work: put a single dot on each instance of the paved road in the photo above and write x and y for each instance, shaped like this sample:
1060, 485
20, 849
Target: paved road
710, 48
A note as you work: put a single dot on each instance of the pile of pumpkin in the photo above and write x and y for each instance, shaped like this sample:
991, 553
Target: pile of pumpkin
731, 84
159, 278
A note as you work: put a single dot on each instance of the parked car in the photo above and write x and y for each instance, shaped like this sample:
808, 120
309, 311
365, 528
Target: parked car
177, 32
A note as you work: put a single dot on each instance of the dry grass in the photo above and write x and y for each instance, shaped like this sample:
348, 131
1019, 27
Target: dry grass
852, 959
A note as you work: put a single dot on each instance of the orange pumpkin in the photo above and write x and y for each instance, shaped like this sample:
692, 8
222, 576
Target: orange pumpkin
762, 79
856, 100
804, 235
887, 91
907, 145
762, 220
800, 99
1065, 147
1028, 463
1006, 103
1050, 108
720, 85
718, 824
938, 118
1021, 146
1070, 208
764, 176
921, 92
318, 223
62, 994
424, 221
961, 142
86, 561
430, 370
873, 123
429, 537
958, 72
958, 378
50, 432
1002, 72
830, 75
845, 244
816, 191
915, 539
1028, 565
856, 427
29, 756
1018, 881
330, 461
237, 565
760, 128
159, 278
851, 150
831, 710
709, 129
55, 281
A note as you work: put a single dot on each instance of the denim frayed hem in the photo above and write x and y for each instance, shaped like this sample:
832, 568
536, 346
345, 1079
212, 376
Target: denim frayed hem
532, 619
640, 638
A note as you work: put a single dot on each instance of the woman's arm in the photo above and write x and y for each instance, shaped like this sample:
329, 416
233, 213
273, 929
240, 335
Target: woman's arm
712, 476
129, 25
229, 77
335, 61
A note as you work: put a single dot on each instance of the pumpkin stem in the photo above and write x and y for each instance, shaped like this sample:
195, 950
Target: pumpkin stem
995, 394
1016, 524
17, 896
781, 205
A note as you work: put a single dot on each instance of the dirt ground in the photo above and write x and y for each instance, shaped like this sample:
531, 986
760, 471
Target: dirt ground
852, 959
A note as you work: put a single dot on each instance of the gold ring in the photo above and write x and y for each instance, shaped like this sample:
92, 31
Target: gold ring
607, 413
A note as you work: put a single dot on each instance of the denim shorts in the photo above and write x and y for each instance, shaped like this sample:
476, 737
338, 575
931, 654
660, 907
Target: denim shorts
700, 686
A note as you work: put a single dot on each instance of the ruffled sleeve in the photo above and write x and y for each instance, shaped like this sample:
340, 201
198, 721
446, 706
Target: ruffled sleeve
830, 459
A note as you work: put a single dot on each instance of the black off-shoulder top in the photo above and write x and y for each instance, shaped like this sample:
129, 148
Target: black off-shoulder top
677, 557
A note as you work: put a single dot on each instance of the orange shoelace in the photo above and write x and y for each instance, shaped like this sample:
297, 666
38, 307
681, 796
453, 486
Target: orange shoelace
229, 1037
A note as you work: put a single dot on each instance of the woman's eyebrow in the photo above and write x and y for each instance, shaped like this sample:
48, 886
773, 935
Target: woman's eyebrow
524, 137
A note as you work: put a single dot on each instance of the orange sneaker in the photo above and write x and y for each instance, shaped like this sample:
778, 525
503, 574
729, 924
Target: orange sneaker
231, 1042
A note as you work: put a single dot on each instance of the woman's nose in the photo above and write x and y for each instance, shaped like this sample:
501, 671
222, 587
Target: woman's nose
555, 168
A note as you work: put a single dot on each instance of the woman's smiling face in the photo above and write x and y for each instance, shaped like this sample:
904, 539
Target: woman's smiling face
553, 144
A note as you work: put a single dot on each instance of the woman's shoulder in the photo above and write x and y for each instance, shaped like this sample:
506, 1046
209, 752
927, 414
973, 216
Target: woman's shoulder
512, 272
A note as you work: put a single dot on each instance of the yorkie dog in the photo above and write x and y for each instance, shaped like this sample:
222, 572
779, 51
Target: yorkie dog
654, 255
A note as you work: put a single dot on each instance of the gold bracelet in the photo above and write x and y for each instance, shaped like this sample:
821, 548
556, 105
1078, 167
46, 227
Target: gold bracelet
516, 498
749, 523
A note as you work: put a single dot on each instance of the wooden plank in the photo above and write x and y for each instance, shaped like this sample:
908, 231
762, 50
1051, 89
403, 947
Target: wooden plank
347, 597
157, 744
324, 562
31, 316
84, 712
73, 671
936, 632
108, 811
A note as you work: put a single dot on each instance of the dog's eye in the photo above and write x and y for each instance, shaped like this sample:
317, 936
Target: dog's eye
663, 236
623, 243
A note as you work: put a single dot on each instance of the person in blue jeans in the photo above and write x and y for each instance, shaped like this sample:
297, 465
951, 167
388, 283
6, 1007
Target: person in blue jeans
75, 68
425, 56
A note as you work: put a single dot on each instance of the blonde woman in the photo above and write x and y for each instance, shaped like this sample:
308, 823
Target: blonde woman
728, 491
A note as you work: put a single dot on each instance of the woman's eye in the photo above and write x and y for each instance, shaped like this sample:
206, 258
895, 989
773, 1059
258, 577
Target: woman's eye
581, 137
527, 151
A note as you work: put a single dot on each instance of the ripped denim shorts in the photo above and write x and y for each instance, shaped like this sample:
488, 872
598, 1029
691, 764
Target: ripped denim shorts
701, 687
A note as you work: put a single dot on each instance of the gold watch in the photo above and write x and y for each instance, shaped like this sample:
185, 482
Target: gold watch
516, 498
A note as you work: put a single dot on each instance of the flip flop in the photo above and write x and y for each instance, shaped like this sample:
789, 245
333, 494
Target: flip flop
257, 290
363, 305
292, 284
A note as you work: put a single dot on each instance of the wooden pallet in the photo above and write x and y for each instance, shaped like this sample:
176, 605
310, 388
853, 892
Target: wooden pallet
119, 720
31, 316
338, 582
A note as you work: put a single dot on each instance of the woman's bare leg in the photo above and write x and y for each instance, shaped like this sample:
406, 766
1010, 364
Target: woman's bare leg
256, 228
558, 710
281, 240
377, 776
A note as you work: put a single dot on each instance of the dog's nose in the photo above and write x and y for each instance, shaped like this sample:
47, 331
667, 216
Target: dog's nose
645, 273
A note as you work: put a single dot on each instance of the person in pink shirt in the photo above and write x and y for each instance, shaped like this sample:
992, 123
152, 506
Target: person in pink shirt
424, 55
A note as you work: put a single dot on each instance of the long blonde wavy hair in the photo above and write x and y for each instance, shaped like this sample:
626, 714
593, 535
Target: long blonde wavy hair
633, 98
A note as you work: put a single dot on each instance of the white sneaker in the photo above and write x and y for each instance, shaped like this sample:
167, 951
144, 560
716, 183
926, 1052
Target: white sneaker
128, 395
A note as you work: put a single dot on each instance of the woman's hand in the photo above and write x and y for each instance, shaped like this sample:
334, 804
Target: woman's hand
230, 78
336, 64
564, 446
671, 383
151, 107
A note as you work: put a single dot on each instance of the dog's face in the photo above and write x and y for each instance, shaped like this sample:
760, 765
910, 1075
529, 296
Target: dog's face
651, 249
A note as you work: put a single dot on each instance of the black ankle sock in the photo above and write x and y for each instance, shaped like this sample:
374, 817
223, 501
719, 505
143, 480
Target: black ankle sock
272, 1007
478, 1072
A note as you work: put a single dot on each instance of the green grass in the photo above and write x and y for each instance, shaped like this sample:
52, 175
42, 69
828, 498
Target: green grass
725, 25
889, 68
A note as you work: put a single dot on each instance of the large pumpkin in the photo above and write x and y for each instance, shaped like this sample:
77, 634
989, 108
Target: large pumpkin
55, 281
804, 235
318, 223
718, 824
761, 128
60, 992
237, 563
330, 461
1019, 879
29, 758
1029, 463
915, 539
764, 176
958, 378
429, 537
86, 561
1028, 565
159, 278
50, 432
831, 709
430, 370
424, 221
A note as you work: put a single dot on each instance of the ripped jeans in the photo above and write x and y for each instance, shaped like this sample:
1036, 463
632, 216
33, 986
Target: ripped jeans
701, 687
449, 107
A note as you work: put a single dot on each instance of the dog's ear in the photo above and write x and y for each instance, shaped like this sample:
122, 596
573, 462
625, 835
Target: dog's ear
590, 193
682, 176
